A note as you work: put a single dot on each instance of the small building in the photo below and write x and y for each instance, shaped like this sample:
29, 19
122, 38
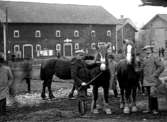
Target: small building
126, 30
154, 32
30, 29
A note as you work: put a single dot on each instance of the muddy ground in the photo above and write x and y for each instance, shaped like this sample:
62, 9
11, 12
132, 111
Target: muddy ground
31, 108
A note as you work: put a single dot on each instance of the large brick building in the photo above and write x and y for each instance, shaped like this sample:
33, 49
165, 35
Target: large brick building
27, 28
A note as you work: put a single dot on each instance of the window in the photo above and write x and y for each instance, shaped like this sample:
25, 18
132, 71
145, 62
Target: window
58, 47
93, 33
38, 47
76, 33
109, 33
37, 33
93, 45
16, 48
58, 34
76, 46
16, 34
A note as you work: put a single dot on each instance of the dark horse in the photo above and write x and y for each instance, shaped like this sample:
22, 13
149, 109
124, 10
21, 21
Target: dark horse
100, 73
128, 78
58, 67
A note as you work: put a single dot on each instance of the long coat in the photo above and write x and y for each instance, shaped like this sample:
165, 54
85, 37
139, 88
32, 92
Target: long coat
113, 73
79, 72
152, 68
6, 79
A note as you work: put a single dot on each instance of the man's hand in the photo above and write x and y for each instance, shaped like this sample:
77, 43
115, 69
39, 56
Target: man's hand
83, 84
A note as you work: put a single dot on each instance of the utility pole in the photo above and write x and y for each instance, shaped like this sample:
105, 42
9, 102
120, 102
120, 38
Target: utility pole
5, 33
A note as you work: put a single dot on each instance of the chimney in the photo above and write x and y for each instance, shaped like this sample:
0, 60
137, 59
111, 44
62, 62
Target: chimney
122, 16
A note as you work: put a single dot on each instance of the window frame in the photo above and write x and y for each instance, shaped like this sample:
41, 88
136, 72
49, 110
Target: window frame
76, 33
16, 34
37, 34
109, 33
58, 33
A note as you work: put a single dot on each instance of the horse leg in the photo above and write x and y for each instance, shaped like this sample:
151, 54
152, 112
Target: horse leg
51, 96
134, 108
106, 103
43, 90
72, 91
127, 100
28, 81
122, 99
94, 100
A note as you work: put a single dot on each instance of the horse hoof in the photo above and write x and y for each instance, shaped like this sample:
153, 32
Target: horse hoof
126, 110
134, 109
108, 111
121, 106
95, 111
43, 97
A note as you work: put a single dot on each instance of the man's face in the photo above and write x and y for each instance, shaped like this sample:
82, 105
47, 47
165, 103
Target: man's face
148, 52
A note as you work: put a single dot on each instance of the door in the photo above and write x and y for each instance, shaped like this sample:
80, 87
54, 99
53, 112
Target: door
27, 51
67, 49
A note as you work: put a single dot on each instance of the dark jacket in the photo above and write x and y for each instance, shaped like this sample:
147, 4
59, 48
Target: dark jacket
27, 69
79, 72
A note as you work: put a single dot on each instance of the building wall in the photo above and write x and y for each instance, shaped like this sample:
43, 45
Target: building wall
127, 32
48, 39
156, 33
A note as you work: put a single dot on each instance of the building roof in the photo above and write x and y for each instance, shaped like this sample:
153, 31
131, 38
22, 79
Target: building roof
124, 21
33, 12
161, 16
154, 3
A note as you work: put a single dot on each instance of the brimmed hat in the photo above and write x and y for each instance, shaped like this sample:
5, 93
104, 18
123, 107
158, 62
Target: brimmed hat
80, 52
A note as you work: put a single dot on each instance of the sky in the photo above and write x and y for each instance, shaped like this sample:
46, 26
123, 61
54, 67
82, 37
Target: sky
139, 15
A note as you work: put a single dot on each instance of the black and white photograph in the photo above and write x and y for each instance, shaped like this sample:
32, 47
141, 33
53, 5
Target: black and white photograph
83, 60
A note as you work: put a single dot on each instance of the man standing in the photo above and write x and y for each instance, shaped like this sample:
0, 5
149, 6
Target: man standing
6, 79
27, 69
152, 68
113, 71
79, 72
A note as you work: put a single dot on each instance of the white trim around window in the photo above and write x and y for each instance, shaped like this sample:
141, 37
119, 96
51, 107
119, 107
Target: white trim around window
109, 33
58, 33
38, 47
93, 45
16, 34
93, 33
76, 33
37, 33
58, 47
16, 48
76, 46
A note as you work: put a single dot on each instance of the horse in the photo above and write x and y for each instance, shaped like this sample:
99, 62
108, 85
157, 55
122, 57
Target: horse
58, 67
128, 78
100, 74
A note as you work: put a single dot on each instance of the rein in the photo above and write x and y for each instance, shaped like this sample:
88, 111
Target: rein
92, 80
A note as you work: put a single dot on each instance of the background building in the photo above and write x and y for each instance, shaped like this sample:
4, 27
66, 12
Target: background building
30, 30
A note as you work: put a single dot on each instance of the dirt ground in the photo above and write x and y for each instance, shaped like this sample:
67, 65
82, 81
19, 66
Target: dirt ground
31, 108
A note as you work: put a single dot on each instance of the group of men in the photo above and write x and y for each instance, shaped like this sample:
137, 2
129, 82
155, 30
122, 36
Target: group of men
152, 68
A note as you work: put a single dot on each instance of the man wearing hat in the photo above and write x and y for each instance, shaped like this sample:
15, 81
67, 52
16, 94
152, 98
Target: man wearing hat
152, 68
6, 79
79, 72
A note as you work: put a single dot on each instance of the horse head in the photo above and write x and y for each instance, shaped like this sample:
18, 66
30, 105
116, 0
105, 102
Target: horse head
101, 56
129, 51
